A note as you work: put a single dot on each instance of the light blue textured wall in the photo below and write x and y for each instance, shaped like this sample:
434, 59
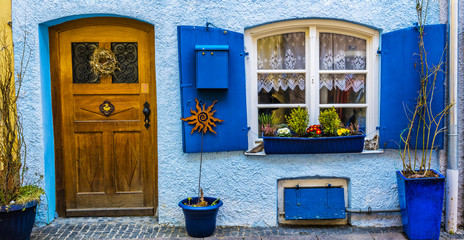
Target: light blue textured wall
247, 185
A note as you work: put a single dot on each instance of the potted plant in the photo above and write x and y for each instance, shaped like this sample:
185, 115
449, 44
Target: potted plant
269, 123
328, 137
421, 188
200, 212
18, 198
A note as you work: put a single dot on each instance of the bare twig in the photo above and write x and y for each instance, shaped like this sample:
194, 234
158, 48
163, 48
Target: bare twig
424, 125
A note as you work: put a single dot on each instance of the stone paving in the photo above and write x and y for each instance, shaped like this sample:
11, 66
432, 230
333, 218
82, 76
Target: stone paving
148, 228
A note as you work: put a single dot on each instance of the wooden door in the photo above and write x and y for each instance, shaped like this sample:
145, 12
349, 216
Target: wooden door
106, 154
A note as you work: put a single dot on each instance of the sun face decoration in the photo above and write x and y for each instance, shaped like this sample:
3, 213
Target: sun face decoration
203, 119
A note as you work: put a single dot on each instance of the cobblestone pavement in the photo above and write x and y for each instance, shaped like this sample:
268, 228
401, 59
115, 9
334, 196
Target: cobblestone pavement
148, 228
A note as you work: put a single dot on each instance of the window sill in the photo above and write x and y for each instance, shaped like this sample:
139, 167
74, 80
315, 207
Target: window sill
378, 151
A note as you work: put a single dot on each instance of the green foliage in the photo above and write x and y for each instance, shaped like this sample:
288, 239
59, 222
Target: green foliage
270, 119
215, 202
329, 121
29, 193
298, 120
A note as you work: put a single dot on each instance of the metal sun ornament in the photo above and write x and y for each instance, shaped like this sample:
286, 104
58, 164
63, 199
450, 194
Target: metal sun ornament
202, 118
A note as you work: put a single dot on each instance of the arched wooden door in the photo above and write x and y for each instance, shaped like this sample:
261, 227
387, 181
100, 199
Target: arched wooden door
106, 153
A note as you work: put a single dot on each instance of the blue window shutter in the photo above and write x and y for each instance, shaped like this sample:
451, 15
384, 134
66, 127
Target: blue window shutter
231, 102
400, 80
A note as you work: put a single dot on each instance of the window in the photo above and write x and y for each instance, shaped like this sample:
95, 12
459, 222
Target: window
315, 64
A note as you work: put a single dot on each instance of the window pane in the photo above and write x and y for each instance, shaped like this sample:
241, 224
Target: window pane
342, 88
127, 56
283, 51
341, 52
355, 116
279, 113
281, 88
82, 71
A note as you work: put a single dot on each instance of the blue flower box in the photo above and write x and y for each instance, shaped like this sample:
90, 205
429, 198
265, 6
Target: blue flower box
302, 145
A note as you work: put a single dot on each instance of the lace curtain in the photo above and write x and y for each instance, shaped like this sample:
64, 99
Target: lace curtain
279, 52
341, 52
284, 51
282, 81
343, 82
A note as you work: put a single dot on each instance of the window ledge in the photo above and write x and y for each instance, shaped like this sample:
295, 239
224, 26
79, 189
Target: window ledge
378, 151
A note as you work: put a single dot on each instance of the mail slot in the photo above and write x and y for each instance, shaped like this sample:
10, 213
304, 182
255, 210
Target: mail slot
314, 203
212, 66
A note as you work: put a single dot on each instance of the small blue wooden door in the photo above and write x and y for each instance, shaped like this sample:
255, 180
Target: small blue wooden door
400, 81
314, 203
231, 100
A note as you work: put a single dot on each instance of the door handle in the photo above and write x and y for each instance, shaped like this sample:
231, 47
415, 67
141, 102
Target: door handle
146, 112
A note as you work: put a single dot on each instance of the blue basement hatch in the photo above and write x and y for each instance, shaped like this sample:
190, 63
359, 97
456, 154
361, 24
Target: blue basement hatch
314, 203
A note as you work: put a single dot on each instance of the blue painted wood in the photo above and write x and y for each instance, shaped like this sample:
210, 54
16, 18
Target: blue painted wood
300, 145
212, 47
400, 80
212, 66
314, 203
421, 203
231, 106
47, 119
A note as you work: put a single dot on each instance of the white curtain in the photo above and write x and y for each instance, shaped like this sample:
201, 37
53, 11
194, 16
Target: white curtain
284, 51
343, 82
281, 81
341, 52
278, 52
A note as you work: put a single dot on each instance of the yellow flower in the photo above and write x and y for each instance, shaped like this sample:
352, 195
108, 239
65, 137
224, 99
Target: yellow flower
343, 132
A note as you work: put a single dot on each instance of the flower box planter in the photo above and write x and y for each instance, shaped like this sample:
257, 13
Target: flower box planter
200, 222
16, 221
301, 145
421, 204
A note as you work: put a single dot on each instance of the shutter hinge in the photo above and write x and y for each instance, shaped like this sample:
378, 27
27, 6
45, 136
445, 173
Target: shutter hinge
209, 24
379, 52
244, 54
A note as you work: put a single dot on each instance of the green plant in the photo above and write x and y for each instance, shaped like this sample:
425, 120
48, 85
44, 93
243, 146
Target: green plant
13, 188
284, 132
424, 125
268, 123
329, 121
298, 121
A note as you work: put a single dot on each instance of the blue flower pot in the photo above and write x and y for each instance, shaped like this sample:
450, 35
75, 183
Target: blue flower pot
200, 221
301, 145
16, 221
421, 204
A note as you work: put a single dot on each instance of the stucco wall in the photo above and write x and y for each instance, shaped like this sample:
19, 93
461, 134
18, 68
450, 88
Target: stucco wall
247, 185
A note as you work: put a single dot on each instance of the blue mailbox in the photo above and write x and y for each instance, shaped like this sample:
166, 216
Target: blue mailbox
212, 66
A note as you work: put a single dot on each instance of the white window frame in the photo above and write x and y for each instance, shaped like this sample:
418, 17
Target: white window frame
312, 28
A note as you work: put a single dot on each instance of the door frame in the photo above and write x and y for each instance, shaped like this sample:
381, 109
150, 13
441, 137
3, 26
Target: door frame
56, 95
